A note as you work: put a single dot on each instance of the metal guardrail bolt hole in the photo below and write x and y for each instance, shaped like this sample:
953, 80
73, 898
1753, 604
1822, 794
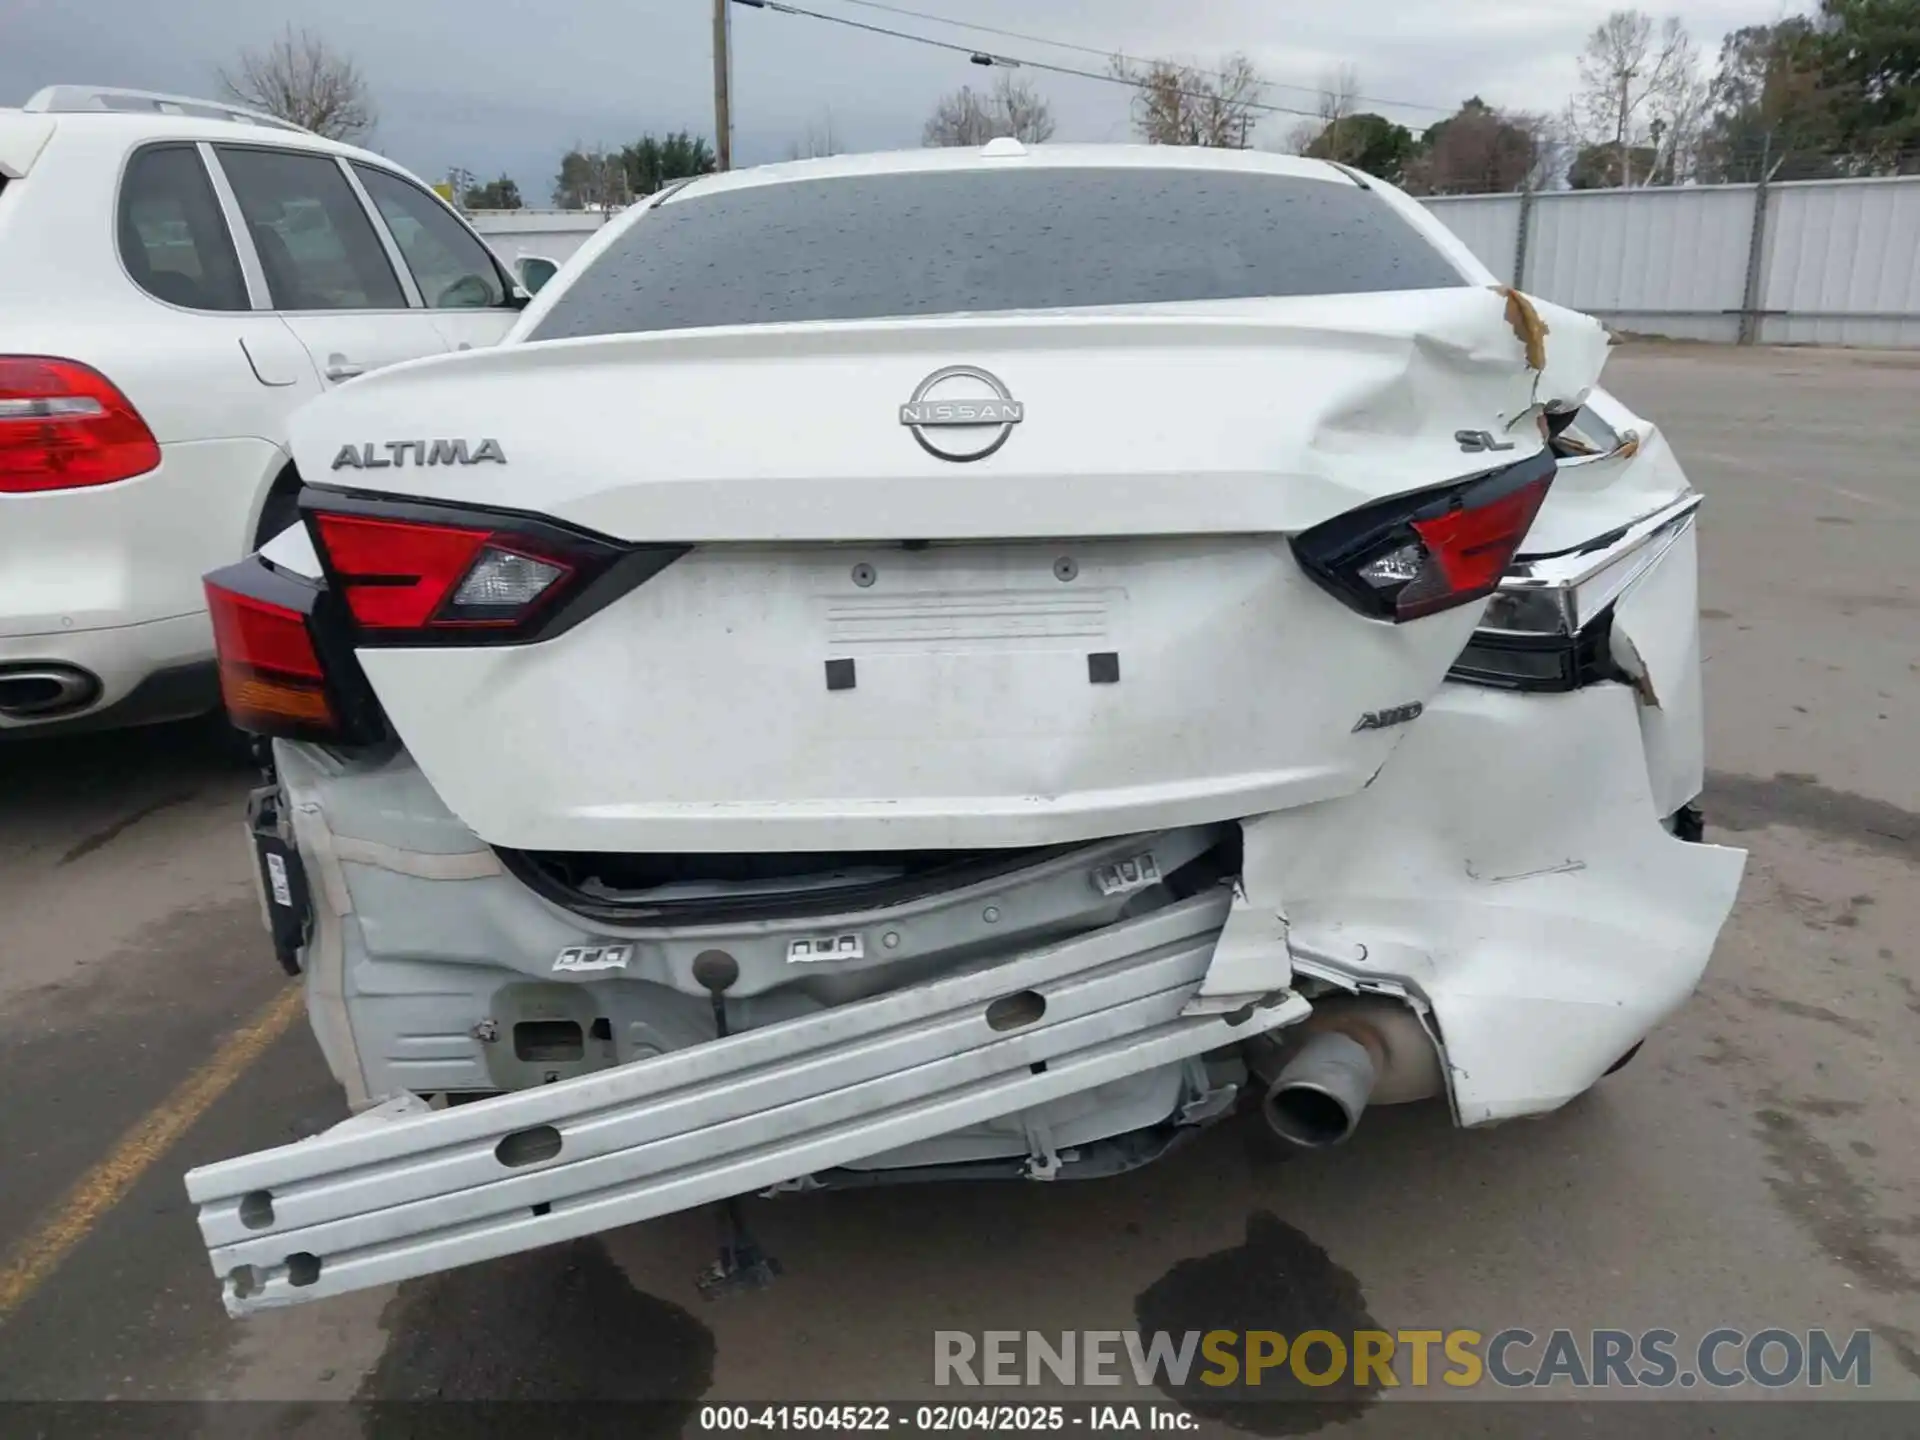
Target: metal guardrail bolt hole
256, 1209
246, 1281
840, 675
1103, 668
302, 1268
545, 1207
1011, 1012
863, 575
1065, 569
991, 914
891, 939
528, 1147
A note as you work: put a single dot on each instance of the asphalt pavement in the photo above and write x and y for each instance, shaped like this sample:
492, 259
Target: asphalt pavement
1756, 1167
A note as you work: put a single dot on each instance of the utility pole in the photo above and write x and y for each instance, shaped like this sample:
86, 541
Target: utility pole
722, 85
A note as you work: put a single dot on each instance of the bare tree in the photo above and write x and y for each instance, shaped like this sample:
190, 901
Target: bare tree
594, 179
958, 119
1679, 125
1184, 105
1027, 117
1629, 74
1330, 136
966, 117
301, 79
819, 140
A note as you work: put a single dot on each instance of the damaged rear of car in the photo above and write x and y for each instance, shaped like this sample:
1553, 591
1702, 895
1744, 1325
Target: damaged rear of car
958, 665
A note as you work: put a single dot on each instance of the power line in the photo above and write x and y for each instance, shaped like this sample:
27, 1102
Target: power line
981, 57
1097, 50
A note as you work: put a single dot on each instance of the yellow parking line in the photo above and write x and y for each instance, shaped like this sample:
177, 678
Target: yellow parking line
33, 1259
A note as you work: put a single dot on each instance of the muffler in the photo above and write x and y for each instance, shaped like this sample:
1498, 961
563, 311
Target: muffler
36, 692
1354, 1051
1317, 1100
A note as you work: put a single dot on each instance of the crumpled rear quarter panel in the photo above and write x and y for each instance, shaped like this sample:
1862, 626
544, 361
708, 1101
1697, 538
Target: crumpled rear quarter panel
1508, 865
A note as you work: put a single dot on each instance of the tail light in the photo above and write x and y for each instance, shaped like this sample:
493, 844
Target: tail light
278, 674
411, 573
1549, 627
1417, 554
64, 426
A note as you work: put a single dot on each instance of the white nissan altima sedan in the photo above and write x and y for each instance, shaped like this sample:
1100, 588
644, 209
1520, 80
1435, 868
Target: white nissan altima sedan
958, 664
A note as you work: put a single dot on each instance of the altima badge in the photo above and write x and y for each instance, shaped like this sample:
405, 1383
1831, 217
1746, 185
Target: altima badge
968, 408
367, 456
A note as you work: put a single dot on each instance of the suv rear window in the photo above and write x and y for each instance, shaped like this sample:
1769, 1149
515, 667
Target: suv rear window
859, 247
173, 236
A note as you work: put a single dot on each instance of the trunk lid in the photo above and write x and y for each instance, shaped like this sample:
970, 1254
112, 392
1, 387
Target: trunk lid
1097, 628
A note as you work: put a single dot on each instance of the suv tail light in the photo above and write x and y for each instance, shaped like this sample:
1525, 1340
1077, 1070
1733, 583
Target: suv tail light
411, 573
63, 426
1416, 554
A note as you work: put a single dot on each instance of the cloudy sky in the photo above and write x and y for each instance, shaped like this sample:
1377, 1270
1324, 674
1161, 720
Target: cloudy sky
499, 85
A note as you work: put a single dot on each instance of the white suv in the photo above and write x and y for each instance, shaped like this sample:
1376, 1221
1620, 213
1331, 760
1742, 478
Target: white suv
176, 277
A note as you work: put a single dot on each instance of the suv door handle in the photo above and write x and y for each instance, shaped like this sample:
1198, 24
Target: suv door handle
341, 368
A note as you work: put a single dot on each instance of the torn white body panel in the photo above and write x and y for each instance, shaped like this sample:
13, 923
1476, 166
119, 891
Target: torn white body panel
1662, 657
1509, 867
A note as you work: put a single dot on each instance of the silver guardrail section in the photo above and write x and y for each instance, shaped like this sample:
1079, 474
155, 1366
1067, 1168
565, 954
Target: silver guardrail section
402, 1191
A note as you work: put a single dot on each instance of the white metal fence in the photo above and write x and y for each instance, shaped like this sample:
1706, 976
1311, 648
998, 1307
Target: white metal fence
555, 234
1823, 262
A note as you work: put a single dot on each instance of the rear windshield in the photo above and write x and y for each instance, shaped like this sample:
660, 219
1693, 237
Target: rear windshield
858, 247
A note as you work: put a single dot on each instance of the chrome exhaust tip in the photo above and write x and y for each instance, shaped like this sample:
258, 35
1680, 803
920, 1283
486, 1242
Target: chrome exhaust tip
1317, 1100
41, 692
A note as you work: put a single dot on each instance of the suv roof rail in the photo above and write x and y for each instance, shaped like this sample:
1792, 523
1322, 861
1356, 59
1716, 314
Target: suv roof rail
74, 99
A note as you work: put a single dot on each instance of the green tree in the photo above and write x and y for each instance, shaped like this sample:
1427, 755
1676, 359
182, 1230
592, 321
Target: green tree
1869, 52
591, 180
652, 163
501, 194
1367, 142
1772, 106
1478, 150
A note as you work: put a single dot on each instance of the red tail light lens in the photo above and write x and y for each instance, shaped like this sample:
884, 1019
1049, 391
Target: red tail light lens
417, 575
271, 677
1417, 554
64, 426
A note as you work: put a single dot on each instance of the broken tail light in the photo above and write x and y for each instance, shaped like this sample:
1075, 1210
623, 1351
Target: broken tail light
1549, 626
277, 677
64, 426
1415, 555
413, 573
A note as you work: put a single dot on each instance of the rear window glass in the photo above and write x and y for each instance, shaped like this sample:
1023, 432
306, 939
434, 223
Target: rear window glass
857, 247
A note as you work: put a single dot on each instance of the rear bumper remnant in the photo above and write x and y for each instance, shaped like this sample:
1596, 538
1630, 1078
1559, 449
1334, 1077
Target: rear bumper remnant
402, 1191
